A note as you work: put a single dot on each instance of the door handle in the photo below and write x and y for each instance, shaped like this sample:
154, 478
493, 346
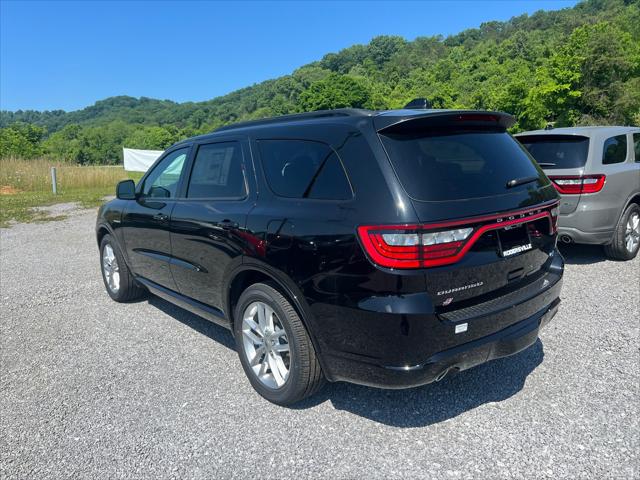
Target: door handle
161, 217
228, 224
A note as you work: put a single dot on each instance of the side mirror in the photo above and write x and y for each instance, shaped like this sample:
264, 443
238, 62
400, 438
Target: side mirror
126, 190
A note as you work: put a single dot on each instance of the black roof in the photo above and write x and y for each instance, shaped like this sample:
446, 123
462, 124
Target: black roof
382, 120
296, 117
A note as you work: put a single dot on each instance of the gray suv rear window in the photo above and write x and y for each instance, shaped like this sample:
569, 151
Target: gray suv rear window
457, 165
557, 151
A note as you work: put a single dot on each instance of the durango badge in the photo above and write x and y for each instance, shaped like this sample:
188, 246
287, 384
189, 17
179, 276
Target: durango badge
459, 289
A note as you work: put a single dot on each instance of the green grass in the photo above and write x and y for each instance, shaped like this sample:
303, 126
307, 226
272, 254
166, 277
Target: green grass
25, 184
21, 207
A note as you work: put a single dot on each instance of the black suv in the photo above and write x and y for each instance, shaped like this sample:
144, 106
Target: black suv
382, 248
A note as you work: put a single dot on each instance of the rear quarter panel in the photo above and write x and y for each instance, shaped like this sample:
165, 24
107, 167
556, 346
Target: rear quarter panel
314, 244
600, 211
568, 203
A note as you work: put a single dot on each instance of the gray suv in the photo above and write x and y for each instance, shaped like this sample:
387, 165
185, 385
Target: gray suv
596, 170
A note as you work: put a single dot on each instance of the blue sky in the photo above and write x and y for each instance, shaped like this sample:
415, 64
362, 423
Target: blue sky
67, 55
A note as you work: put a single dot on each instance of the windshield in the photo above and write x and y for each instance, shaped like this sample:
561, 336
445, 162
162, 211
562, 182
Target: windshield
557, 151
459, 165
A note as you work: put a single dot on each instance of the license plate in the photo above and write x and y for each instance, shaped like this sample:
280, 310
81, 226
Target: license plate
514, 240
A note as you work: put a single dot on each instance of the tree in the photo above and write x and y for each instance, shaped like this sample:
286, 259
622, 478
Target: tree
103, 145
21, 140
335, 91
609, 64
65, 144
571, 66
152, 138
382, 49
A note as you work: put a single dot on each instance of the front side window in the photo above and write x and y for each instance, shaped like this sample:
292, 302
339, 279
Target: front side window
636, 145
163, 180
217, 172
304, 169
615, 150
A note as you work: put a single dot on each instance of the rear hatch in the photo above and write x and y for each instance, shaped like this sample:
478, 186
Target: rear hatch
487, 212
561, 157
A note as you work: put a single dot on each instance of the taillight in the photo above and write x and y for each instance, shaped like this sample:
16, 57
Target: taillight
432, 245
555, 211
578, 184
410, 246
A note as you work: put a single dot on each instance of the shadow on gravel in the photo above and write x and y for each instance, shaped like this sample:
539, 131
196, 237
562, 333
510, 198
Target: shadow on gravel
199, 324
418, 407
576, 254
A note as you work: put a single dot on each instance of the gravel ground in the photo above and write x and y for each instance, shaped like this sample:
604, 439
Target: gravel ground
91, 388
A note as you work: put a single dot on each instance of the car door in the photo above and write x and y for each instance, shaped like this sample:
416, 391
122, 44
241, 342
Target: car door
208, 233
145, 222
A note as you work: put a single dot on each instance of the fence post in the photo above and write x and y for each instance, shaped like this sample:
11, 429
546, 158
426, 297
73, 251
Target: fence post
54, 182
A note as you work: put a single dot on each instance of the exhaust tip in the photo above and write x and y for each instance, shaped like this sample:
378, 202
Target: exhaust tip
565, 239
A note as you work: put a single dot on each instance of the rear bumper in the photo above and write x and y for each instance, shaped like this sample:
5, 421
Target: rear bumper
508, 341
578, 236
416, 345
592, 222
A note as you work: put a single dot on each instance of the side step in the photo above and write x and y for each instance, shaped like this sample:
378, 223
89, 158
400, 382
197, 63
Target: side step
212, 314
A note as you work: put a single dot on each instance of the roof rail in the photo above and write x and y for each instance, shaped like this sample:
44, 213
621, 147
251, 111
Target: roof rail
339, 112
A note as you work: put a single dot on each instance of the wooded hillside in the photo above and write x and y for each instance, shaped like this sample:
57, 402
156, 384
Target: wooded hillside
571, 67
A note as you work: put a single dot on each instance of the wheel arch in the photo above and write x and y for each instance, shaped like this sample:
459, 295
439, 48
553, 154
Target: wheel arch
248, 274
101, 231
635, 198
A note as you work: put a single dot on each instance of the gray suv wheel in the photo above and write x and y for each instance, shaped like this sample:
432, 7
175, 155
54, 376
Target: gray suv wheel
626, 238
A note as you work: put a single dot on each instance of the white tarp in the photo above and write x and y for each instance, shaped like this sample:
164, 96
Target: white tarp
139, 160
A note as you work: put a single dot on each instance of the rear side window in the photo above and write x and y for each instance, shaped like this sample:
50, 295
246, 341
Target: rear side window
217, 172
615, 150
458, 165
557, 151
303, 169
636, 145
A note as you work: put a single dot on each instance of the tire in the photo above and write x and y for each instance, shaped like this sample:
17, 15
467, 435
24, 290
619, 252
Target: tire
304, 375
127, 287
619, 249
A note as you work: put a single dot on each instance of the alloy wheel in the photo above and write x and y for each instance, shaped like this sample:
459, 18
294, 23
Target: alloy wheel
266, 346
110, 268
632, 233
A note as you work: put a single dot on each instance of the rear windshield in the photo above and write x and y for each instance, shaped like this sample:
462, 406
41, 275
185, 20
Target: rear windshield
459, 165
557, 151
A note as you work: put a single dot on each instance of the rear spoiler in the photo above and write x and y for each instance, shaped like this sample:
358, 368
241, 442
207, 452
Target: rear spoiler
415, 120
